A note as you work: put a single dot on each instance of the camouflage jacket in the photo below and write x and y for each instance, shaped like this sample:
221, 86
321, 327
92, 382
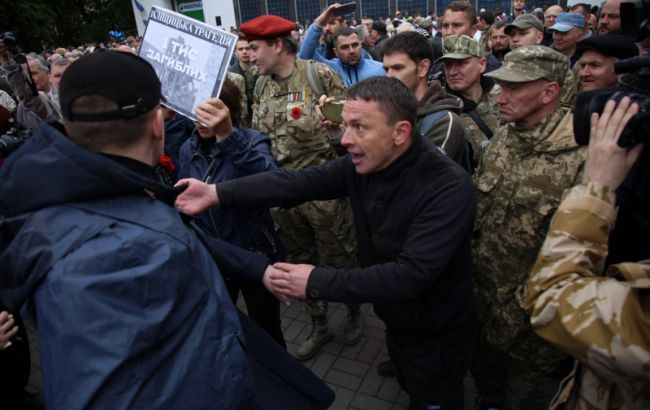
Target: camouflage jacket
601, 320
571, 87
239, 82
486, 108
285, 111
519, 185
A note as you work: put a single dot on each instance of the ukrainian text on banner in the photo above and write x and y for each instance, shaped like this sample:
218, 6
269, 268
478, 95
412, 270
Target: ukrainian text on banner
191, 58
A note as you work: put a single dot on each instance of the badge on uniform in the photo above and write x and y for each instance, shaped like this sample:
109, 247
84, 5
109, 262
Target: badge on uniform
297, 96
296, 103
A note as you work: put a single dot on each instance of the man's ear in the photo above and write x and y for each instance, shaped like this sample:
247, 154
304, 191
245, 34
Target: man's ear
539, 38
158, 125
402, 133
423, 68
550, 92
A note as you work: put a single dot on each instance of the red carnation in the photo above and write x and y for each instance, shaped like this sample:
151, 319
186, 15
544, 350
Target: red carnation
167, 163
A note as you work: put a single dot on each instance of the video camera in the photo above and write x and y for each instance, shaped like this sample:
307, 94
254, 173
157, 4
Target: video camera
635, 22
630, 239
10, 141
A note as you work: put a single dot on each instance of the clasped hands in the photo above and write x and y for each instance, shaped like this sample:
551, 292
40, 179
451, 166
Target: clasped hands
287, 280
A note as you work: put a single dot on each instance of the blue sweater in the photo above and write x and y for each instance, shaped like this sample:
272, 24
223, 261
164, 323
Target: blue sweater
366, 67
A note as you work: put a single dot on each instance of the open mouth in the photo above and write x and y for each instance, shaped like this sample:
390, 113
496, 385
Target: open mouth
356, 158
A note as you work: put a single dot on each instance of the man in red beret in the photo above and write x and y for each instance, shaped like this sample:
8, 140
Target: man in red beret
317, 232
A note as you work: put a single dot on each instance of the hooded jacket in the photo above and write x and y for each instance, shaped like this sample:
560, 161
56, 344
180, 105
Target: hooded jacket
448, 133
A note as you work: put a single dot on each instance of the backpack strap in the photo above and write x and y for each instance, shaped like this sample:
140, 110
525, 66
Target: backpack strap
430, 120
481, 124
259, 87
313, 78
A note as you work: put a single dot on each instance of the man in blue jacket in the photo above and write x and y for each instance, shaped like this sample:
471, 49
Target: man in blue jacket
130, 306
352, 64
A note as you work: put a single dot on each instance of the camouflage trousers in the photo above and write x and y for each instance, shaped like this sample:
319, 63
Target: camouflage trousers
320, 233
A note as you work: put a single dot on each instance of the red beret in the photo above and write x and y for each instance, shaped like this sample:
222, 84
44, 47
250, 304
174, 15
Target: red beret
267, 26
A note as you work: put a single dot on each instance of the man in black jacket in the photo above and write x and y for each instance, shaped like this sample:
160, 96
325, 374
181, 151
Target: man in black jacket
413, 210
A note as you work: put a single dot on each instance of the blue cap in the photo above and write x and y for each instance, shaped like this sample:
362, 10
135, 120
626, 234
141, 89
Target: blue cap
568, 21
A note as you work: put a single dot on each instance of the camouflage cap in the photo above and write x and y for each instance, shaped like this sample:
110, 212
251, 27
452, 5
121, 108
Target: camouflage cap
460, 47
524, 22
530, 63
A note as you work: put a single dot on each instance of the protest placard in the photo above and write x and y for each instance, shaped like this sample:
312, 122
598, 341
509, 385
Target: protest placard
191, 58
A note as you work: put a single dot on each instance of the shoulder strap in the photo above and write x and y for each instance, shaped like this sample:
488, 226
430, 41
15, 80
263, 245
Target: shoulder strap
481, 124
430, 120
314, 79
259, 87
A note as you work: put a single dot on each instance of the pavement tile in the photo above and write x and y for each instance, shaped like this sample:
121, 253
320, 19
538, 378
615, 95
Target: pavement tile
343, 379
292, 332
364, 402
343, 399
332, 347
351, 352
350, 366
370, 351
374, 332
389, 389
371, 383
322, 363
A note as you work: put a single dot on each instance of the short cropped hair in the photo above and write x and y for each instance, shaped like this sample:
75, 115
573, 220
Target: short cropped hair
411, 43
488, 17
395, 100
61, 62
459, 5
96, 136
345, 32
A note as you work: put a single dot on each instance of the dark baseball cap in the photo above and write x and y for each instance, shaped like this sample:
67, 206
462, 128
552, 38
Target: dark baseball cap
379, 26
128, 80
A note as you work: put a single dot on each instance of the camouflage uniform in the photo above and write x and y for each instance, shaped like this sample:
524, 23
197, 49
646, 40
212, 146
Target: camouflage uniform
571, 87
488, 109
318, 232
239, 82
600, 320
519, 184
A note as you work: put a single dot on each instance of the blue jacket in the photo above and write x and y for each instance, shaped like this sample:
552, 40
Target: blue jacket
130, 307
366, 67
244, 152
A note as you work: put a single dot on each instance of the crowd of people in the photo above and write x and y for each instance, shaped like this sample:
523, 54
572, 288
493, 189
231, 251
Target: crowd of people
128, 231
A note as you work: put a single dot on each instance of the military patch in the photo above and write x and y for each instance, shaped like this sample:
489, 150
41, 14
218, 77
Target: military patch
296, 110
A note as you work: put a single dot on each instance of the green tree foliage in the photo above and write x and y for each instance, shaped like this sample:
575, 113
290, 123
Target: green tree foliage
40, 24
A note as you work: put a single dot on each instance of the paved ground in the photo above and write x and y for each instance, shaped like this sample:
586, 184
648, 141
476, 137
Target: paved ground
351, 371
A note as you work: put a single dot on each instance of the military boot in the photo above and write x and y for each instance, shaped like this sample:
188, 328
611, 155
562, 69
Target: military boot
353, 326
320, 334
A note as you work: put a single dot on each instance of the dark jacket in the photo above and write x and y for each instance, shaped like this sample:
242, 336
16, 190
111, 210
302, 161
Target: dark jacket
130, 307
244, 152
87, 248
413, 222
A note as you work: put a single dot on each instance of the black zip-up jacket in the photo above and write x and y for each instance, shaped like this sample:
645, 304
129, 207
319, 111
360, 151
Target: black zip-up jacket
413, 221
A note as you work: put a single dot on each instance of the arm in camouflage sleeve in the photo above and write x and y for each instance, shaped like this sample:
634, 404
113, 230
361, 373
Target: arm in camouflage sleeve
332, 82
599, 320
